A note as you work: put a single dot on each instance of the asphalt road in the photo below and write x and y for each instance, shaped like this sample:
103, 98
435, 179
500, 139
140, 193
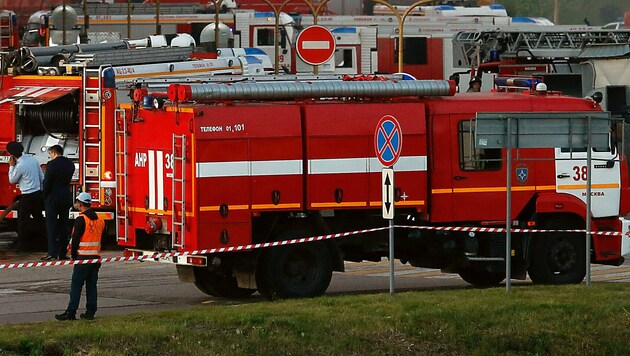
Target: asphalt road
37, 294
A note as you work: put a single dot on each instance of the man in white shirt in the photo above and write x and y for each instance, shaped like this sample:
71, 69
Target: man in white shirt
25, 171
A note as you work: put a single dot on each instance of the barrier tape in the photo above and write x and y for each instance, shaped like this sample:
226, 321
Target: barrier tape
160, 255
499, 229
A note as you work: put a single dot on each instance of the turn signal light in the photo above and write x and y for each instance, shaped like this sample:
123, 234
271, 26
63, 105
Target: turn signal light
108, 175
196, 261
127, 253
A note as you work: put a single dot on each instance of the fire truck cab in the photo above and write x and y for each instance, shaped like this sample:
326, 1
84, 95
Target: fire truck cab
225, 166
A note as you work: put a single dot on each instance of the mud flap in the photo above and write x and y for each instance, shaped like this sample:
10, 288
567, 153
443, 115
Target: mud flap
625, 236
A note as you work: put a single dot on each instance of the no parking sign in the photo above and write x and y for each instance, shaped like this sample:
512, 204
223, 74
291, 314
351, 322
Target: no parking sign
388, 140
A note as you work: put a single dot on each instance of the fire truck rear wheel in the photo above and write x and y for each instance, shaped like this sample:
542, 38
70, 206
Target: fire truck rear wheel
558, 259
481, 278
219, 284
295, 271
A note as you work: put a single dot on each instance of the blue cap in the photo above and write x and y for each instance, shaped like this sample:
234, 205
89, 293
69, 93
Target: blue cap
84, 198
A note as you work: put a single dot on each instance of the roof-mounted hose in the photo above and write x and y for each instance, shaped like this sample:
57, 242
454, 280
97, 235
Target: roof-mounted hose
309, 90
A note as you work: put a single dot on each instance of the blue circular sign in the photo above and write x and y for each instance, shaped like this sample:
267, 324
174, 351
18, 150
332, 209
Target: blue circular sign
388, 140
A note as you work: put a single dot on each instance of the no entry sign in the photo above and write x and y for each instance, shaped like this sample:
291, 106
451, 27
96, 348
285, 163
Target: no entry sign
315, 45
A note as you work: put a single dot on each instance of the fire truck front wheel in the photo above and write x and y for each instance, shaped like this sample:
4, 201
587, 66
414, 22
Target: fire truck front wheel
219, 283
558, 259
294, 271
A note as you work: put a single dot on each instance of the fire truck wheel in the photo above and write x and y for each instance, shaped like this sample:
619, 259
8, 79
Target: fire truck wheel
295, 271
481, 278
219, 284
558, 259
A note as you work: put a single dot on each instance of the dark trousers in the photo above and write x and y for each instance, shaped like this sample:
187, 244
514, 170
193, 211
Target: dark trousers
30, 229
57, 227
81, 274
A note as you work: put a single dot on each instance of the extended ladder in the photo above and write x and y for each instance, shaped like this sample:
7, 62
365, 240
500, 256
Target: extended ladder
122, 211
482, 46
178, 198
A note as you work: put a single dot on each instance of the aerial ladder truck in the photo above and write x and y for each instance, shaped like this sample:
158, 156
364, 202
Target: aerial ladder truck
577, 62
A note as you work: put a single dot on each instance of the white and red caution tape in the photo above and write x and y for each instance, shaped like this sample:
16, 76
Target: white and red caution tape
161, 255
503, 230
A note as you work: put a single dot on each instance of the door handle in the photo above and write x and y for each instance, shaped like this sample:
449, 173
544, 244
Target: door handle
460, 177
563, 175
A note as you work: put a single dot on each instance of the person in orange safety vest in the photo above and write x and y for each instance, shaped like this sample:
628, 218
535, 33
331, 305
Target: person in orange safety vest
85, 244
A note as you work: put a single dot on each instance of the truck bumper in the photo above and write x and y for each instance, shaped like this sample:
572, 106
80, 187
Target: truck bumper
181, 260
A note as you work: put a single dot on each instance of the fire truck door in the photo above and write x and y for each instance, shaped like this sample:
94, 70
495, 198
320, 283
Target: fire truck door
571, 175
474, 187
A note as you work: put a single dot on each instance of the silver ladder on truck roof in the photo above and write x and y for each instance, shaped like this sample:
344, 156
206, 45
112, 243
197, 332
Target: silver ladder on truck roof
132, 56
477, 47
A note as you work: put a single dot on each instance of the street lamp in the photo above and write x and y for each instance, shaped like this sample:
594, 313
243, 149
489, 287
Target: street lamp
158, 27
217, 6
401, 23
128, 18
276, 10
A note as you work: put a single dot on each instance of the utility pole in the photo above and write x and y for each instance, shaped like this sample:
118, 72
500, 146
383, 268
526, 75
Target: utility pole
556, 12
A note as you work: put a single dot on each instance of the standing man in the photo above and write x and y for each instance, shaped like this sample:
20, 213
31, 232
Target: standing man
85, 245
25, 171
58, 201
474, 86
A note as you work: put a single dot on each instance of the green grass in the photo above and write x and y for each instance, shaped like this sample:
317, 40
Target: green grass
558, 320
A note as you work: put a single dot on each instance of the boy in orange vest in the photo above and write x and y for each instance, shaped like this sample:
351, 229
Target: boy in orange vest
85, 244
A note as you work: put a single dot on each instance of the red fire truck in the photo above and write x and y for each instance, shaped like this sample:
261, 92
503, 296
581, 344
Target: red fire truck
71, 111
228, 165
45, 103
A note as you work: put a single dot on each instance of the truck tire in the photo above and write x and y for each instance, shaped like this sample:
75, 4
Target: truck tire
219, 284
295, 271
558, 258
481, 278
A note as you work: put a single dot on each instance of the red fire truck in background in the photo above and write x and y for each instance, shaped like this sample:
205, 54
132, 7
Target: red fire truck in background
70, 110
68, 95
228, 165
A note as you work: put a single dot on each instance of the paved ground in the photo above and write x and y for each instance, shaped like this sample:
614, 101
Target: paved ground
36, 294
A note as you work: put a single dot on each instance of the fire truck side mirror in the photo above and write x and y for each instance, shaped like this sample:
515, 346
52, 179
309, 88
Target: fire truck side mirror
597, 97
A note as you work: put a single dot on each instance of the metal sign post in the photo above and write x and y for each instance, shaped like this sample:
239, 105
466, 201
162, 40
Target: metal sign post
388, 213
588, 205
508, 213
388, 146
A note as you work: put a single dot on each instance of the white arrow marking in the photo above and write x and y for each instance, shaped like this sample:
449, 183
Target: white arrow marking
315, 45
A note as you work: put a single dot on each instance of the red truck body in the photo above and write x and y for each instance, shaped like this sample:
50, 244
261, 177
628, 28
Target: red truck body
74, 111
257, 171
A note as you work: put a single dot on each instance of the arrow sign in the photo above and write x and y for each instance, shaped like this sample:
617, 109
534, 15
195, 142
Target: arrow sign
387, 177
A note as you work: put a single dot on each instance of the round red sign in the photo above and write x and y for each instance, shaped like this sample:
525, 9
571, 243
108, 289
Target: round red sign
315, 45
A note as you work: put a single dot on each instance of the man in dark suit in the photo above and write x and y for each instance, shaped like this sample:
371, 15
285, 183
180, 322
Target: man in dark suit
57, 201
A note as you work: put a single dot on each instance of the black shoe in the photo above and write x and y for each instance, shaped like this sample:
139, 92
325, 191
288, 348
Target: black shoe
48, 258
86, 316
65, 316
63, 258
